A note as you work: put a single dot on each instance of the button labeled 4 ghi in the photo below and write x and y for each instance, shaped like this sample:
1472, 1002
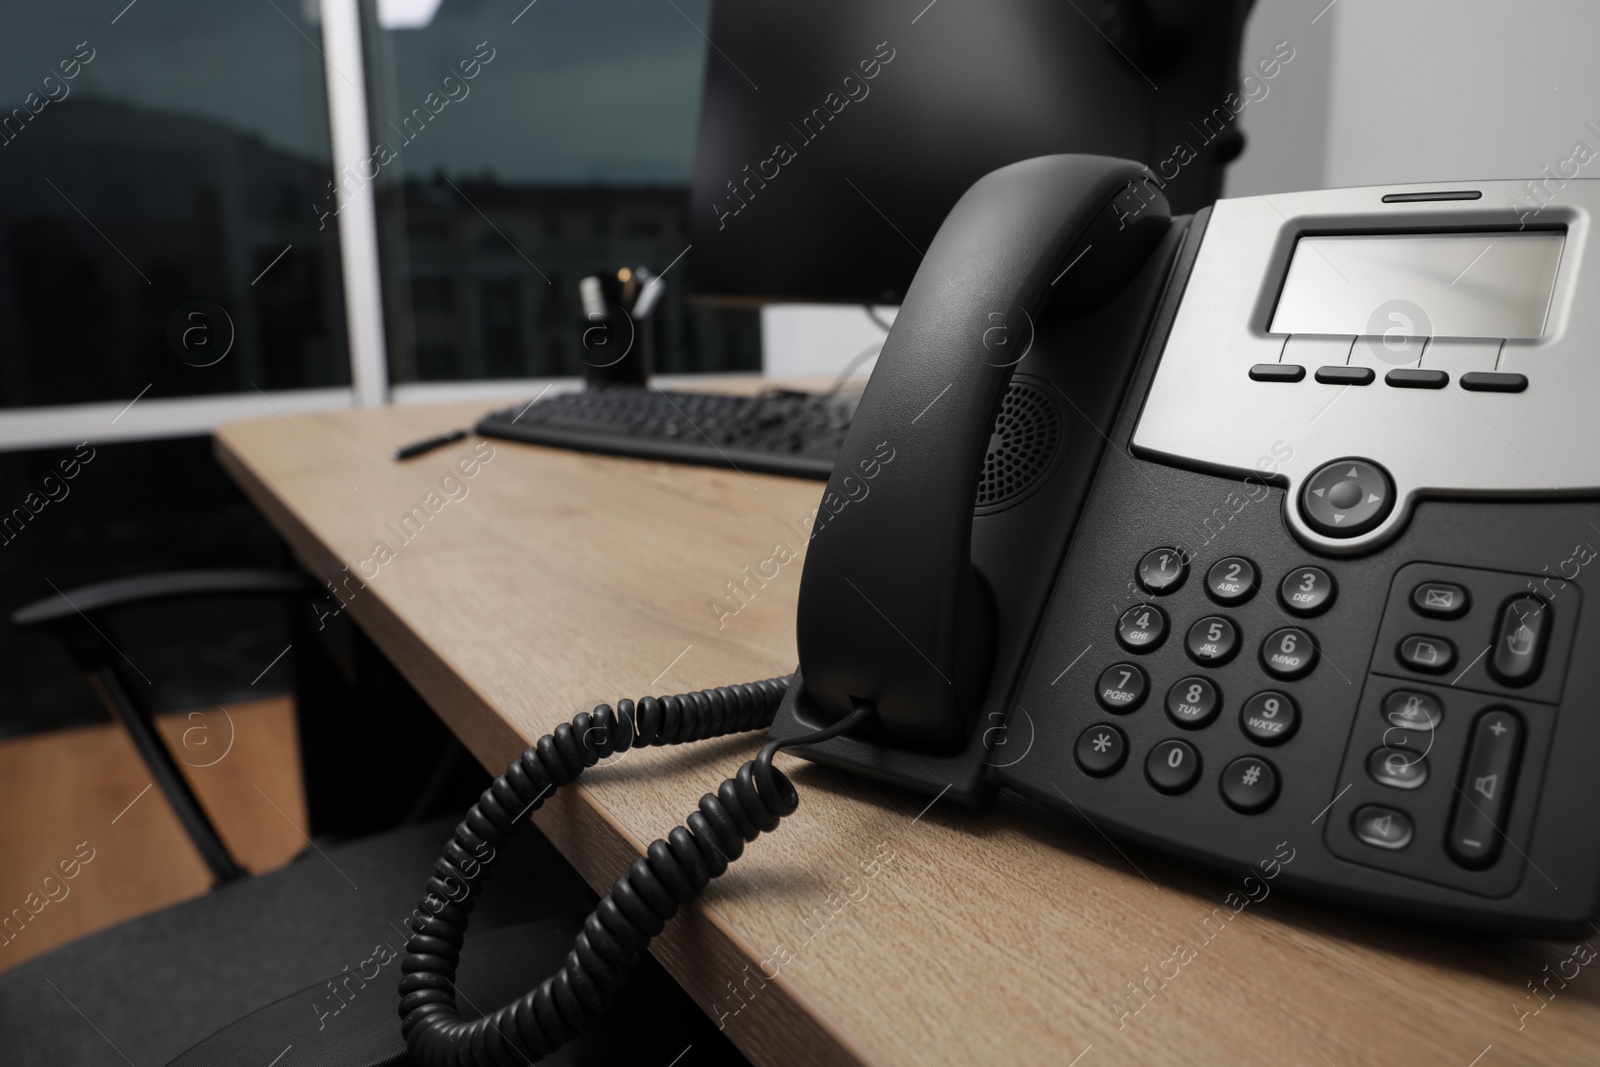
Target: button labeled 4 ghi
1142, 628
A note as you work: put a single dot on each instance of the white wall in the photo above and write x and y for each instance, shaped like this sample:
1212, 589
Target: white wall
1396, 91
1460, 89
801, 339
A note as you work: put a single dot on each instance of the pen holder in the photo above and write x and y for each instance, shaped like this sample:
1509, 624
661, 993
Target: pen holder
616, 347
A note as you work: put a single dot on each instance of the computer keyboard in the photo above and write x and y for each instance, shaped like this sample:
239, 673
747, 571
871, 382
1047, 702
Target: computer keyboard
777, 432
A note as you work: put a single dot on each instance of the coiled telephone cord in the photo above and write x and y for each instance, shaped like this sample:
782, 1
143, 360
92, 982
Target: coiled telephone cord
618, 931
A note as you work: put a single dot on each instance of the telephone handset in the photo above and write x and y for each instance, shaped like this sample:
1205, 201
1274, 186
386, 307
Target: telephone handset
1248, 534
1057, 235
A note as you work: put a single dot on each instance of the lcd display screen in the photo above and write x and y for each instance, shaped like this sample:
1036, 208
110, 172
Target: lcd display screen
1486, 285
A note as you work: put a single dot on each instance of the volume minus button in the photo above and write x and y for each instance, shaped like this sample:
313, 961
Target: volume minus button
1487, 780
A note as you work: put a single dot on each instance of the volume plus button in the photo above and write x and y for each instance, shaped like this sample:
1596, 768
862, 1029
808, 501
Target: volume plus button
1487, 781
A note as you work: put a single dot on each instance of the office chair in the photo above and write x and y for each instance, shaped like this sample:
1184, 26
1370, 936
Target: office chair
300, 963
78, 618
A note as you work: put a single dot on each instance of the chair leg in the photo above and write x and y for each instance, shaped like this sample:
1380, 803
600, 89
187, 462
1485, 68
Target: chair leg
167, 776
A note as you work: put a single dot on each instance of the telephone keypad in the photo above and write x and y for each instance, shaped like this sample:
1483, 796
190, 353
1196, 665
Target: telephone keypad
1142, 628
1232, 580
1426, 653
1289, 653
1307, 591
1193, 702
1249, 784
1162, 570
1213, 641
1121, 688
1101, 750
1270, 717
1173, 766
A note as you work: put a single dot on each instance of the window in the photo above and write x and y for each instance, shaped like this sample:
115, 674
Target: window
516, 153
158, 168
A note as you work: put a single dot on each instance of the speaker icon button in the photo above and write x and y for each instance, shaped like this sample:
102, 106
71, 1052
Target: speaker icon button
1483, 800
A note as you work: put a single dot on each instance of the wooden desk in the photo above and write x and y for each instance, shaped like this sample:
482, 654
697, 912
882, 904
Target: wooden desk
905, 933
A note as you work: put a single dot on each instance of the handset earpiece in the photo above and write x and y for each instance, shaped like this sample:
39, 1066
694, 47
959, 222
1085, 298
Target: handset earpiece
891, 610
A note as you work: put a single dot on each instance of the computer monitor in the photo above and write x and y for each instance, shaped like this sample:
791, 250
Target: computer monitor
835, 135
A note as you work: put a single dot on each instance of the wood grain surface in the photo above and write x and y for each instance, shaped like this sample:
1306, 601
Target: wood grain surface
872, 927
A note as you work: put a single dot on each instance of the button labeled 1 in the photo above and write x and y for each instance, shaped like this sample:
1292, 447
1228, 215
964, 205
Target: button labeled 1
1162, 570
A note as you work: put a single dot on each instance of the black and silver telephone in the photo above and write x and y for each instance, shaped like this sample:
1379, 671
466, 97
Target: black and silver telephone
1269, 524
1262, 527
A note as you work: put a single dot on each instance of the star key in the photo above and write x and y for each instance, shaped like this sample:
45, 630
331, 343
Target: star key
1101, 750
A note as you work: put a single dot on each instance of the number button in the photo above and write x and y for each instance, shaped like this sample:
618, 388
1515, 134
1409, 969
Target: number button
1172, 766
1193, 702
1101, 750
1121, 688
1249, 784
1307, 591
1142, 628
1289, 653
1232, 581
1162, 570
1213, 641
1269, 718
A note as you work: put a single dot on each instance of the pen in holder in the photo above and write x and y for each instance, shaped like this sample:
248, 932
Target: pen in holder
617, 339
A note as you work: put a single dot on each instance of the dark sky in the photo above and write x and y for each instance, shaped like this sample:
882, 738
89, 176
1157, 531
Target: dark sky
579, 90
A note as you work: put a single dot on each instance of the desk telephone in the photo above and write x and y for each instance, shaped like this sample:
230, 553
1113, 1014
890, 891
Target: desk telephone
1266, 525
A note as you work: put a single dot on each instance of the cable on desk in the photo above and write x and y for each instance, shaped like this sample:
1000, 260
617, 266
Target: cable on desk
618, 931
